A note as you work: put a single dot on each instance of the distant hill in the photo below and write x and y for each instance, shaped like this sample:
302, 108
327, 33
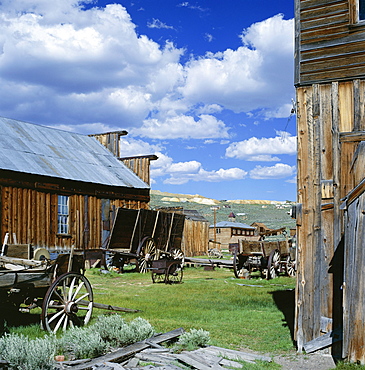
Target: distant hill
273, 214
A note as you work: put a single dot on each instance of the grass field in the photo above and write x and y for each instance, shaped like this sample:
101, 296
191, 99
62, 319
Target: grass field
237, 313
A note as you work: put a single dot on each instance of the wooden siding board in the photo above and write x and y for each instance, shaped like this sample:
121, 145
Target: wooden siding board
305, 4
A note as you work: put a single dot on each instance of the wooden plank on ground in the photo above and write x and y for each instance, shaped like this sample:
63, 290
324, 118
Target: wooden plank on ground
323, 341
127, 352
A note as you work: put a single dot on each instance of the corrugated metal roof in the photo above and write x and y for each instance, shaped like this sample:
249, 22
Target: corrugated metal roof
40, 150
236, 225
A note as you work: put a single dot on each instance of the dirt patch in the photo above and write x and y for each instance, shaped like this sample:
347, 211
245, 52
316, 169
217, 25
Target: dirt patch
305, 361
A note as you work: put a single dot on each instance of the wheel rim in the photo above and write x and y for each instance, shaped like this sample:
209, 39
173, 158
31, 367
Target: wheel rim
273, 264
290, 267
148, 254
67, 303
158, 277
237, 265
174, 274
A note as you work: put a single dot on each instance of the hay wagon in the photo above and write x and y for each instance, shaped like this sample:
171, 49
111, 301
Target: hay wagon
143, 236
59, 288
269, 257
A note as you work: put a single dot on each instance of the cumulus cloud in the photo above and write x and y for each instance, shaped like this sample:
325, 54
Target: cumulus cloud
279, 171
209, 176
182, 172
254, 76
61, 62
263, 149
183, 126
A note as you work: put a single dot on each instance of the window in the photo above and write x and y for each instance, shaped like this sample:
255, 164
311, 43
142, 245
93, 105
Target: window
63, 214
218, 230
361, 10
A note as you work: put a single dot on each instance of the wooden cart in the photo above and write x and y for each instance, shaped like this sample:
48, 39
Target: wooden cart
57, 287
143, 236
270, 258
166, 270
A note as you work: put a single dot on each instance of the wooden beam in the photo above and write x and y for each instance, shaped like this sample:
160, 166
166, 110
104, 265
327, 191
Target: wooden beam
354, 136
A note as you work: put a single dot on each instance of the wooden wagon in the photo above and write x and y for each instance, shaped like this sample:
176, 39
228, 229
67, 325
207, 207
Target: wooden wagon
143, 236
269, 257
57, 287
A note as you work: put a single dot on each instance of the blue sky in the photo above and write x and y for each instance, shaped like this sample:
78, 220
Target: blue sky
207, 86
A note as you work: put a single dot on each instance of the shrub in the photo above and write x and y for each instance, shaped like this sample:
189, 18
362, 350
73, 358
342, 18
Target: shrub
114, 330
193, 339
23, 353
81, 343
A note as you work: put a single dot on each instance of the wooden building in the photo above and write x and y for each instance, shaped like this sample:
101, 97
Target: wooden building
195, 238
227, 232
330, 91
59, 189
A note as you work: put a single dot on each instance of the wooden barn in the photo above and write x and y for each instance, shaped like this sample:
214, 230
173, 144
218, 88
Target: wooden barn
330, 93
60, 189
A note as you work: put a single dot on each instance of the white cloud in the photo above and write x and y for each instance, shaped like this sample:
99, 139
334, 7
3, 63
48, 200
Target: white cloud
280, 170
182, 126
230, 174
262, 149
63, 63
255, 76
156, 23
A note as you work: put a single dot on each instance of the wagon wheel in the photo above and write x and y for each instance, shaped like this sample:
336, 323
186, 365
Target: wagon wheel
67, 303
273, 265
290, 267
174, 273
238, 263
147, 254
178, 254
158, 277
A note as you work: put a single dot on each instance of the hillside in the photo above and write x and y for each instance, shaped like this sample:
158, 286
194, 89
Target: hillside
273, 214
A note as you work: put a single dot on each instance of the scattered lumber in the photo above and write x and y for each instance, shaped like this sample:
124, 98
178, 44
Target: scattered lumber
126, 352
209, 262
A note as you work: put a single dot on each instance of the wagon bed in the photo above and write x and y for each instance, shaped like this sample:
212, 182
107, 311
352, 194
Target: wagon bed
145, 235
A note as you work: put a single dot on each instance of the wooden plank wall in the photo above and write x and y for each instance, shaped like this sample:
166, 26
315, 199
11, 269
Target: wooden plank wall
195, 238
330, 43
32, 216
140, 166
326, 114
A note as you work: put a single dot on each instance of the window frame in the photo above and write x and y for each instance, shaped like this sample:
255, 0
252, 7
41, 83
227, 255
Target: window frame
63, 214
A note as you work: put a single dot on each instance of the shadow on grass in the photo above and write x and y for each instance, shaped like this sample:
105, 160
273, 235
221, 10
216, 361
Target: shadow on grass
285, 302
12, 319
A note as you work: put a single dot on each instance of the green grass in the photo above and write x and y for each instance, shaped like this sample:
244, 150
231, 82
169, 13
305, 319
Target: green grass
239, 314
236, 316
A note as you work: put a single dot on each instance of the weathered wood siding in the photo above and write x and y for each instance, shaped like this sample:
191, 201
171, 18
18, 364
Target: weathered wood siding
140, 166
330, 43
32, 216
195, 238
330, 126
353, 285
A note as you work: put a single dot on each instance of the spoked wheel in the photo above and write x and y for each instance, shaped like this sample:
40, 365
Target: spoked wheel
158, 277
67, 303
174, 273
178, 254
273, 265
290, 267
147, 254
238, 264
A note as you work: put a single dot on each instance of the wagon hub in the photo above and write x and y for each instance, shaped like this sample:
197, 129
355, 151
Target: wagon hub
71, 308
147, 257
